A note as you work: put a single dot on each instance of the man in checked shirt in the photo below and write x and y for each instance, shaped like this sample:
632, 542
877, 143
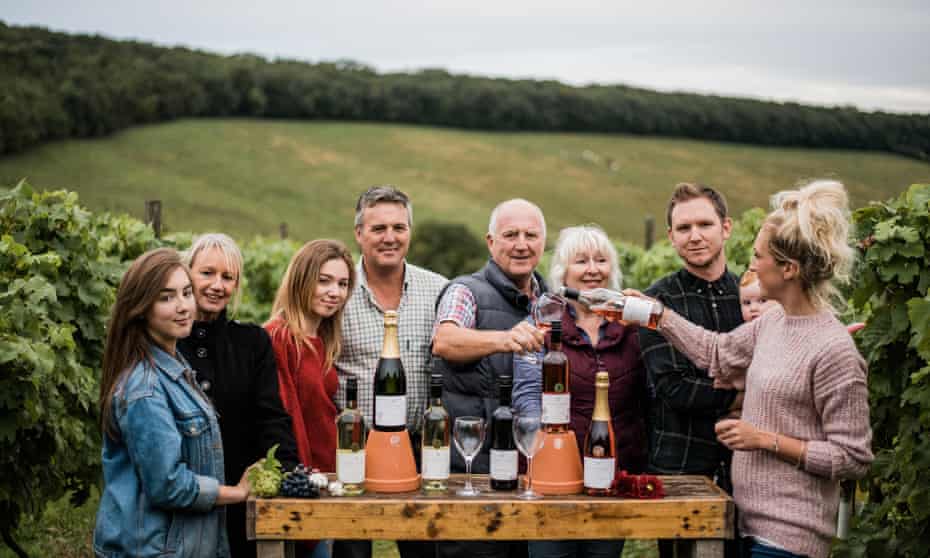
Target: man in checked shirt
685, 405
383, 222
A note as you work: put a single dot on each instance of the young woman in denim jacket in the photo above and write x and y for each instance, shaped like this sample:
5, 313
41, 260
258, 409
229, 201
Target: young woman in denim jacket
162, 452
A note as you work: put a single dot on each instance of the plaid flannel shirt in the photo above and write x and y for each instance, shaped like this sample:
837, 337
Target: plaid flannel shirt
363, 337
685, 406
458, 305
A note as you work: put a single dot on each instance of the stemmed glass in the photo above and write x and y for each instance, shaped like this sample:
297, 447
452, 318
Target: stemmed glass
528, 435
468, 435
547, 309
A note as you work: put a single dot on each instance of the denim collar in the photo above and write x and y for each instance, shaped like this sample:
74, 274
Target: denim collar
173, 367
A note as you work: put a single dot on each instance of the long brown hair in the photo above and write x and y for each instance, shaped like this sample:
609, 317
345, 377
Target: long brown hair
292, 301
128, 341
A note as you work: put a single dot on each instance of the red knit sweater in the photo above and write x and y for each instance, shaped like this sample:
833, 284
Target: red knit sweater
308, 395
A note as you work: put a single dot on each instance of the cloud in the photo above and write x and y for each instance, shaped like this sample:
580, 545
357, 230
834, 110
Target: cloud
871, 54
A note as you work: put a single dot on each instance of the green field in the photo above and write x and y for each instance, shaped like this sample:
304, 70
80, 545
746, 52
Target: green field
247, 176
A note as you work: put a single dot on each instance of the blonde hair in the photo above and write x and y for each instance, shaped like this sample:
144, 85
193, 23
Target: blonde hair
748, 278
227, 246
810, 226
583, 237
292, 301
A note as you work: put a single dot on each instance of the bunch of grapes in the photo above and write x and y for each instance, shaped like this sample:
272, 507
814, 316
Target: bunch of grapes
297, 484
265, 477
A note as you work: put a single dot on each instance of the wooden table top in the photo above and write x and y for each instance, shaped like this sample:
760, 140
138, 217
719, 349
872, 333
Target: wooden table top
694, 508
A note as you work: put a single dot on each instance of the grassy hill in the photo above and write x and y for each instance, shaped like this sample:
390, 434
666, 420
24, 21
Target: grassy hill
246, 176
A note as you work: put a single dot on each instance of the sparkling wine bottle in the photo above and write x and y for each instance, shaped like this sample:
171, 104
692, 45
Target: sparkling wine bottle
617, 307
350, 443
556, 396
390, 409
434, 452
503, 448
600, 453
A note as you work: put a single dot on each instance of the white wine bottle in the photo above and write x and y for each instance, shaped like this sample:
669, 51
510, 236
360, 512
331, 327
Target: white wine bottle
350, 443
434, 451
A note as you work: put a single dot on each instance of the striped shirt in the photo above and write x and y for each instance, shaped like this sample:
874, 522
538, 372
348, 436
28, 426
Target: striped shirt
363, 336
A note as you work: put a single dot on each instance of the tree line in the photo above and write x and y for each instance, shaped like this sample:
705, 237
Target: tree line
58, 85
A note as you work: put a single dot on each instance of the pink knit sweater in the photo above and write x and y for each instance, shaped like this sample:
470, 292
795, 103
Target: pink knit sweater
804, 379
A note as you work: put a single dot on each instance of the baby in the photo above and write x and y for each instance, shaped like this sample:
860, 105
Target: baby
752, 305
751, 301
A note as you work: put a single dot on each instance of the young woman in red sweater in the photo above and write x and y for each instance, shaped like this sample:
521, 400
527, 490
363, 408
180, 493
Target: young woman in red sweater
305, 327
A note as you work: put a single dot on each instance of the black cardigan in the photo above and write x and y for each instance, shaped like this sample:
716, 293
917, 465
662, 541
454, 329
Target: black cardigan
236, 368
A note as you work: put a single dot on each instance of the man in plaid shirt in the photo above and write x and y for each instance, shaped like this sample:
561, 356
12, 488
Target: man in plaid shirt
685, 405
383, 221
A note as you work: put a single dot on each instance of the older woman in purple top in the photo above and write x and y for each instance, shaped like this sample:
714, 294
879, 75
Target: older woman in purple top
584, 258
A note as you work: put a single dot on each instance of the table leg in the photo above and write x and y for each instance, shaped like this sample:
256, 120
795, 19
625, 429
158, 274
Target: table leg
274, 549
707, 548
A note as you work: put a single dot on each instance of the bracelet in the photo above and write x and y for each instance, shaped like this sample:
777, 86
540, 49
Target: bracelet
775, 444
801, 456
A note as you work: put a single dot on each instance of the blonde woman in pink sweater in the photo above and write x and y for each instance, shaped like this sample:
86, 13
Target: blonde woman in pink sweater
805, 421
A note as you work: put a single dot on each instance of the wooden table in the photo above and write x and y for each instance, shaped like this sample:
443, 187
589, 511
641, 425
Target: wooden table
694, 508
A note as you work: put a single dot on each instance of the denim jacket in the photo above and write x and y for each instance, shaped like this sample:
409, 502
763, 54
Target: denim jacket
162, 477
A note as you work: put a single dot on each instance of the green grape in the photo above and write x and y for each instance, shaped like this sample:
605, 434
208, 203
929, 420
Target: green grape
265, 477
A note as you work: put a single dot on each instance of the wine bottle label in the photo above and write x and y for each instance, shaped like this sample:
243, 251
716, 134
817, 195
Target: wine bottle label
599, 472
390, 410
556, 408
350, 466
636, 310
504, 465
436, 463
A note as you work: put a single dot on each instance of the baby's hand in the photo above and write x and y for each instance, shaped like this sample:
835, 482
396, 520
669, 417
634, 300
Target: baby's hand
737, 384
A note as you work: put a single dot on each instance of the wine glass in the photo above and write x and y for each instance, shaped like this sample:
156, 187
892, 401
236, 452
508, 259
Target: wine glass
468, 435
528, 435
548, 308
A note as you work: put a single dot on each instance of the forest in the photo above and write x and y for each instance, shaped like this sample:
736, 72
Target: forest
59, 86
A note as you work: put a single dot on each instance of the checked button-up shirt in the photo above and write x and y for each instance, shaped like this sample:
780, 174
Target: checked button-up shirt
363, 336
685, 406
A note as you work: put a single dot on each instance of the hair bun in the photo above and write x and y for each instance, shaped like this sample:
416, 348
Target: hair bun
812, 227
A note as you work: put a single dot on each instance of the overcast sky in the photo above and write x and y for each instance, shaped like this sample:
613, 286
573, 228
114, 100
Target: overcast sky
872, 54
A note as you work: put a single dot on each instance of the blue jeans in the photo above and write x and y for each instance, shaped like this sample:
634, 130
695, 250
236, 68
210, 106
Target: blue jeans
323, 549
759, 550
576, 549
